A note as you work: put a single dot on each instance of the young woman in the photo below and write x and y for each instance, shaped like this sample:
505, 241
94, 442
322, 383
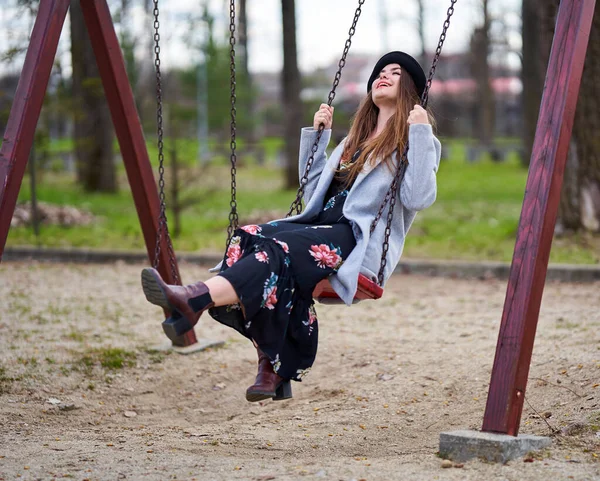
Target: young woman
264, 289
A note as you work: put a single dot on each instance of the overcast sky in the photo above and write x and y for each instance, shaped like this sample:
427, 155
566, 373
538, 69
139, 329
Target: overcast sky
322, 28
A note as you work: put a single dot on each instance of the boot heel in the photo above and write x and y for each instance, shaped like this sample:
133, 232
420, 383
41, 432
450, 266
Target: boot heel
283, 391
176, 327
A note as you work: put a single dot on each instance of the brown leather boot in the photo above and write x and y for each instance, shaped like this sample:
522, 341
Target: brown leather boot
268, 384
186, 303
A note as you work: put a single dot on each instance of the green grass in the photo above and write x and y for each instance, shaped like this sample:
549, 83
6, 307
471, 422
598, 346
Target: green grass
6, 380
117, 226
475, 216
111, 358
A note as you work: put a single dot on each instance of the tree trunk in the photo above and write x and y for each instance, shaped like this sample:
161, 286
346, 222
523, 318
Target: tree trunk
291, 93
579, 208
536, 52
93, 126
243, 37
580, 197
421, 28
486, 112
249, 101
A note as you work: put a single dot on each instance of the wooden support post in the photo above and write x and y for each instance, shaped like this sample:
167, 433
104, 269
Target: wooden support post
27, 105
538, 217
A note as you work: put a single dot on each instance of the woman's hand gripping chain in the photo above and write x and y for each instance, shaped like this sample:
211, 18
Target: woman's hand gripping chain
323, 116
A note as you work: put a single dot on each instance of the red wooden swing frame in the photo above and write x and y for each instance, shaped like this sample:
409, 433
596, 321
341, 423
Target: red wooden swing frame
540, 205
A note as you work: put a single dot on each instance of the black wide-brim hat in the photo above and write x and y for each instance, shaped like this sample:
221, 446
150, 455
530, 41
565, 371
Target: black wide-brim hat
408, 64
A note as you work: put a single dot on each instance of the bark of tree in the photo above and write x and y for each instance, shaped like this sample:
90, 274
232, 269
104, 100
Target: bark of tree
486, 112
421, 29
93, 126
291, 93
243, 39
536, 51
580, 197
579, 208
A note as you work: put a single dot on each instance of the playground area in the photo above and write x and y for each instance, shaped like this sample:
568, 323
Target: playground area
84, 394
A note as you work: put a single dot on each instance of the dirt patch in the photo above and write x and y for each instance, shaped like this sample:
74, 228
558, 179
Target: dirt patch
84, 394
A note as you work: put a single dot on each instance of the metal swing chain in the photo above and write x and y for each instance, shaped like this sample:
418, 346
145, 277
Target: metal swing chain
233, 214
389, 196
297, 203
162, 218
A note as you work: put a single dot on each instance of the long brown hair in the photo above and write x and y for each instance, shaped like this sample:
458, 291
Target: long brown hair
394, 135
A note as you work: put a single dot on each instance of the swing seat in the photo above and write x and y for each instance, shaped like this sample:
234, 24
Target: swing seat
367, 289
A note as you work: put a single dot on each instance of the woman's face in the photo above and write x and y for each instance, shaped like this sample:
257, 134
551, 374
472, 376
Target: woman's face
384, 89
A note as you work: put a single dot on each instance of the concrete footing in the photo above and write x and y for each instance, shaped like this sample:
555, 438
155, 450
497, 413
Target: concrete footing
464, 445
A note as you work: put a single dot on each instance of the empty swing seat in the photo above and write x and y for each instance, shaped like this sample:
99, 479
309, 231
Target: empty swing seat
367, 289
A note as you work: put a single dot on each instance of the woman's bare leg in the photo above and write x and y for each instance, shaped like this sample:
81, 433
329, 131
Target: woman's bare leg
221, 291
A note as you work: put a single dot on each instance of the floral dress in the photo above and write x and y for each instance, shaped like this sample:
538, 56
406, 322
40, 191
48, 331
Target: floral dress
274, 269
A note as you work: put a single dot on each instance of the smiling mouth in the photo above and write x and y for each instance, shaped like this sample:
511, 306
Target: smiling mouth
383, 84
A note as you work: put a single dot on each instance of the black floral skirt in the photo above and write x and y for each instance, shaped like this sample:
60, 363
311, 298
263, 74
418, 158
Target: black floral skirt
274, 269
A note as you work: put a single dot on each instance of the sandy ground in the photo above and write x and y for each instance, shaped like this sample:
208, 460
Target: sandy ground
390, 376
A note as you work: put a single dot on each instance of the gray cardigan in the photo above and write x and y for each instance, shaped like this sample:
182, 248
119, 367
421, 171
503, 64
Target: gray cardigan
417, 191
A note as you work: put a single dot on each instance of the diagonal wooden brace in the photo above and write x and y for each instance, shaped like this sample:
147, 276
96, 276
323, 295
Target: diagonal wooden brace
538, 217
